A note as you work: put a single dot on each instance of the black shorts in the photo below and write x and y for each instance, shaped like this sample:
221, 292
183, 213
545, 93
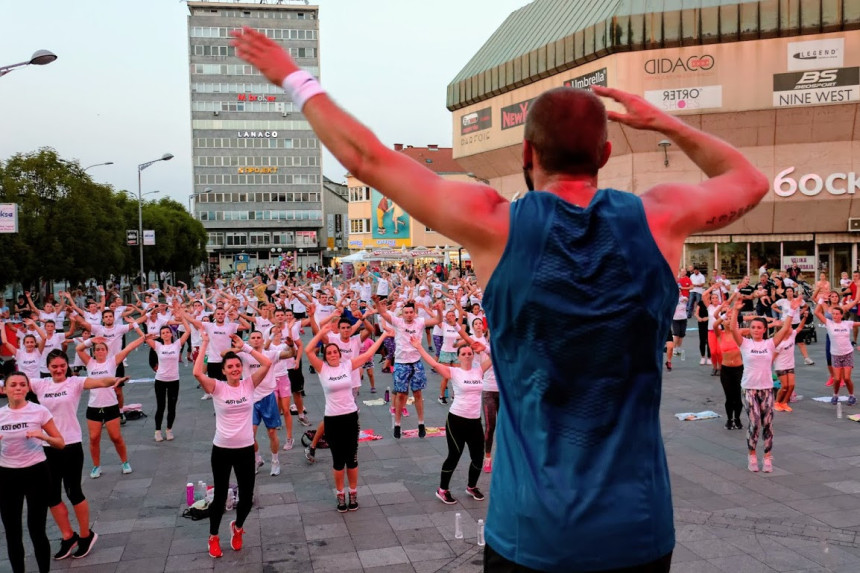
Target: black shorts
103, 415
679, 328
215, 370
297, 380
803, 337
120, 372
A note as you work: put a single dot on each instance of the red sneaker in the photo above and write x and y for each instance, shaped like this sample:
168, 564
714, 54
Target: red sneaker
214, 547
829, 381
236, 536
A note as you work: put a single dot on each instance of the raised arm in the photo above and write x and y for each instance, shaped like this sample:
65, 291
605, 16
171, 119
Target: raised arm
368, 354
783, 332
122, 354
312, 345
208, 384
732, 324
443, 369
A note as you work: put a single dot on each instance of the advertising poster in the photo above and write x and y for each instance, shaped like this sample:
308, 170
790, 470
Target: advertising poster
388, 220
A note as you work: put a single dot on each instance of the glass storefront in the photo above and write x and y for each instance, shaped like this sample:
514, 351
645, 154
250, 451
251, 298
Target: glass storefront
702, 256
733, 260
765, 255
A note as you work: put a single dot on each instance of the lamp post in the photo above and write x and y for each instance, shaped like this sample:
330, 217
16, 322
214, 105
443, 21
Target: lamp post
39, 58
141, 167
98, 165
195, 194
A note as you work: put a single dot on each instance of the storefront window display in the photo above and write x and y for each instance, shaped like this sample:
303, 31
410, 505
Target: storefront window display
765, 255
733, 260
702, 256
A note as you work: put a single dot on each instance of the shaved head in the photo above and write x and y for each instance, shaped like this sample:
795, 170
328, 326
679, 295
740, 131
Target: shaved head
567, 129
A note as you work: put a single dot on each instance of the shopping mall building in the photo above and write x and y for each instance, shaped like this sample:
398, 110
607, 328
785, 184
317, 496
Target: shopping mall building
779, 79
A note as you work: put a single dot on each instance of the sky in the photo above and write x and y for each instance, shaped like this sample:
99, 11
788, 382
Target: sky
118, 90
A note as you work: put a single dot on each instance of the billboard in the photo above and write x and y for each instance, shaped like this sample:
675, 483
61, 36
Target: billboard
388, 220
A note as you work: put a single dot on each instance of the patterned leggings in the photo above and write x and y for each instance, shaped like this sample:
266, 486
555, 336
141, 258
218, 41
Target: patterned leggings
760, 410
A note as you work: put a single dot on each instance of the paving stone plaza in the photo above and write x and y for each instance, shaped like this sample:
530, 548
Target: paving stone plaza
805, 516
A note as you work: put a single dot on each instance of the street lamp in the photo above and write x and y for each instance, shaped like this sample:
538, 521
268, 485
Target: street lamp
141, 167
195, 194
98, 165
39, 58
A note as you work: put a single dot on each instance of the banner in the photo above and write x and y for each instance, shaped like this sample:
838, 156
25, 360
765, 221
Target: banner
8, 217
388, 220
148, 238
804, 263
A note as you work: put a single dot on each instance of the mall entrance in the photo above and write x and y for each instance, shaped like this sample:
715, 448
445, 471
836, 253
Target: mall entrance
833, 260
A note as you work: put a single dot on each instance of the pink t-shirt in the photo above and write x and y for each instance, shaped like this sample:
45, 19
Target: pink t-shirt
16, 449
62, 400
233, 408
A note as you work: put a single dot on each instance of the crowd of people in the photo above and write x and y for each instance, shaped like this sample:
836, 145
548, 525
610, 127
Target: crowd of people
246, 346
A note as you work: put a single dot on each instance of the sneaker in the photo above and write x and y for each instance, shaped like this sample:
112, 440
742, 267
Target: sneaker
311, 370
258, 463
309, 454
214, 547
852, 400
353, 501
288, 445
207, 397
396, 432
126, 468
767, 465
669, 365
730, 425
276, 469
475, 493
96, 472
293, 410
738, 425
777, 406
708, 362
445, 496
236, 534
752, 464
66, 546
391, 410
702, 361
835, 399
405, 412
341, 503
829, 381
158, 437
442, 400
808, 361
122, 419
373, 390
787, 408
303, 420
488, 465
169, 434
85, 545
422, 431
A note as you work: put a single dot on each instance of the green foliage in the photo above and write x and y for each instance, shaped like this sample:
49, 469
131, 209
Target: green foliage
71, 228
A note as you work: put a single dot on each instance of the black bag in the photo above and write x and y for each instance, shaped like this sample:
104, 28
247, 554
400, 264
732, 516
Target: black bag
134, 415
308, 437
196, 514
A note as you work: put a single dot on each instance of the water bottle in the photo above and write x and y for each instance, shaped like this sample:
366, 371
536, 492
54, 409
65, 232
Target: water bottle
229, 505
387, 394
683, 355
480, 532
839, 410
458, 527
201, 489
189, 493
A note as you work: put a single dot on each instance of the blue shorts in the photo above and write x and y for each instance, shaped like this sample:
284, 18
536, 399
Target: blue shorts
409, 376
446, 357
267, 411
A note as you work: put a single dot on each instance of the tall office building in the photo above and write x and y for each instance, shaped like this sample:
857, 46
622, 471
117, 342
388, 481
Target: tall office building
257, 163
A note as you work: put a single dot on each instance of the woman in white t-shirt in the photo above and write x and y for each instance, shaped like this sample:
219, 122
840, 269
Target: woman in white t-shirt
24, 474
783, 364
61, 395
450, 329
341, 413
490, 388
757, 382
463, 426
103, 404
841, 351
169, 353
28, 357
233, 445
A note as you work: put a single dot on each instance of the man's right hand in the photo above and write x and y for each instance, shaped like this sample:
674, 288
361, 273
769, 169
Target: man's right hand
264, 54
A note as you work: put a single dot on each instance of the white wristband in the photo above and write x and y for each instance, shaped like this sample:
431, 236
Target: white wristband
302, 86
246, 348
88, 343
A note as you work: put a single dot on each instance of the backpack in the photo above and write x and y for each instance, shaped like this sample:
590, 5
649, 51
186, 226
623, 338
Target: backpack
308, 437
133, 412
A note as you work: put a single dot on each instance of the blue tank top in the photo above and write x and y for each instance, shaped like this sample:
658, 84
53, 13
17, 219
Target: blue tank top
580, 305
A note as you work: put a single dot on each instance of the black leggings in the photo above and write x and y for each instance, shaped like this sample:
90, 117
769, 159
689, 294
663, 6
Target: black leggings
490, 402
704, 349
32, 484
171, 390
341, 433
460, 432
241, 461
730, 378
65, 468
498, 564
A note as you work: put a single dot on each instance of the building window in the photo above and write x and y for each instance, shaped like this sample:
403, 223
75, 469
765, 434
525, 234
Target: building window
357, 194
701, 256
237, 239
733, 260
763, 255
259, 239
215, 240
284, 239
359, 225
306, 238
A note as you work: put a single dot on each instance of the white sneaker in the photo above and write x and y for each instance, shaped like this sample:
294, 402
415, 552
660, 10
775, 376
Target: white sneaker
767, 466
258, 463
702, 361
708, 361
158, 437
169, 434
288, 445
276, 468
808, 361
752, 464
206, 397
303, 420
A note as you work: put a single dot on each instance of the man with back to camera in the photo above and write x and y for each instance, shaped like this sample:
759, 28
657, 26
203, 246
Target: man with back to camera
580, 482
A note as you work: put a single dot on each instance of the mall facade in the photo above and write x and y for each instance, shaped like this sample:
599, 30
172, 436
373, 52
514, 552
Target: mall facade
779, 80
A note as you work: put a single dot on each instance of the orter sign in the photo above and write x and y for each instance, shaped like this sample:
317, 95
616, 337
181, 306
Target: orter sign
816, 87
683, 99
812, 184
